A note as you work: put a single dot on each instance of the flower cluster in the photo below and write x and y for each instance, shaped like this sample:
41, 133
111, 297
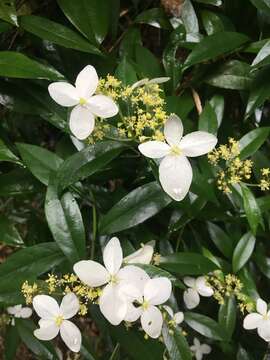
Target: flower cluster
259, 320
265, 179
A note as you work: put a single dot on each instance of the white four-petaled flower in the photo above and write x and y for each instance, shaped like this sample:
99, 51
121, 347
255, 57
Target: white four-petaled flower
176, 318
112, 302
196, 288
175, 171
54, 319
143, 255
200, 349
259, 320
18, 311
87, 105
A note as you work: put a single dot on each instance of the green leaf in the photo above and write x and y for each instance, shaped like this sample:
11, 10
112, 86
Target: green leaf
262, 5
88, 161
210, 2
8, 12
65, 222
252, 209
91, 18
189, 18
125, 72
227, 316
215, 45
243, 251
263, 56
11, 343
9, 234
176, 344
222, 241
148, 65
208, 120
233, 74
41, 162
16, 65
133, 209
212, 22
155, 17
252, 141
40, 348
18, 182
29, 262
217, 103
187, 263
56, 33
7, 155
205, 326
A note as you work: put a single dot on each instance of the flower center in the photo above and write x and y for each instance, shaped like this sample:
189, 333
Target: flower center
58, 320
265, 317
175, 150
82, 101
145, 305
113, 279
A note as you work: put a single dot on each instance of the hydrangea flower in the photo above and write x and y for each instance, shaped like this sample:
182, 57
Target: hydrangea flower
196, 288
175, 171
200, 349
176, 318
143, 304
112, 302
142, 256
54, 319
18, 311
86, 104
259, 320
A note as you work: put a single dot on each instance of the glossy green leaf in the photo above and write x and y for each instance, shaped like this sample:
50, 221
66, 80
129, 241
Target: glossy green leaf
208, 120
189, 18
227, 316
56, 33
205, 326
18, 182
16, 65
9, 234
217, 103
176, 344
8, 11
133, 209
215, 45
222, 241
7, 155
212, 22
263, 56
11, 342
262, 5
187, 263
91, 18
65, 222
243, 251
88, 161
155, 17
252, 209
210, 2
252, 141
125, 72
148, 65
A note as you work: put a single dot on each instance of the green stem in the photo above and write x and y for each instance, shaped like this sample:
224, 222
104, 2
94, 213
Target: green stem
94, 227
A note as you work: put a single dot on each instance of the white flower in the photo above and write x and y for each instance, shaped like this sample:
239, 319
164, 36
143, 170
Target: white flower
200, 349
18, 311
155, 292
176, 318
112, 302
145, 81
142, 256
197, 287
54, 319
175, 171
87, 105
259, 320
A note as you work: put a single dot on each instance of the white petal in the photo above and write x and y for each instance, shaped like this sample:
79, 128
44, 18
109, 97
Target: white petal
133, 313
154, 149
71, 335
198, 143
14, 310
196, 343
45, 306
205, 349
47, 332
63, 93
141, 256
87, 82
261, 307
189, 281
159, 80
130, 293
69, 306
157, 291
178, 317
102, 106
173, 130
81, 122
112, 305
191, 298
198, 355
140, 83
91, 273
113, 256
26, 312
46, 322
134, 276
252, 321
175, 175
169, 310
264, 330
152, 321
202, 288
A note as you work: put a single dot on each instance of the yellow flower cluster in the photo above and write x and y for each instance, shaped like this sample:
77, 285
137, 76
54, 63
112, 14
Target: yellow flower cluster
265, 180
226, 286
63, 285
235, 171
142, 113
